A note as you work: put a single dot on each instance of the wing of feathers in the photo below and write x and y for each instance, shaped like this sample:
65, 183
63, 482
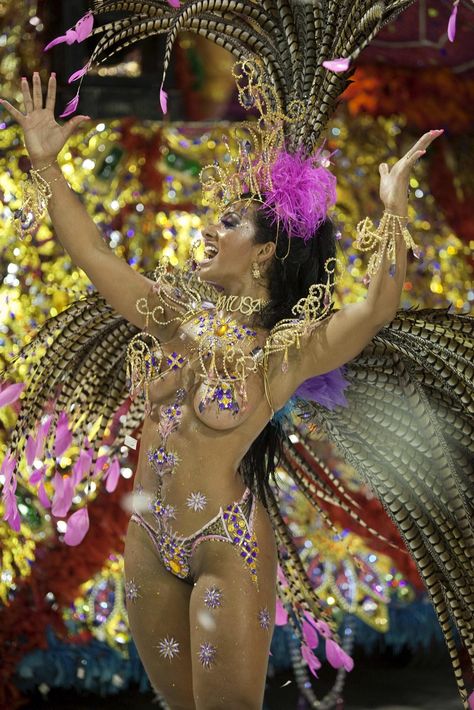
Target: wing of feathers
291, 38
408, 431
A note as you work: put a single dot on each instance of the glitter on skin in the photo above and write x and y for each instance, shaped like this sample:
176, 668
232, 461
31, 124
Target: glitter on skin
264, 618
213, 597
207, 654
168, 648
196, 501
131, 591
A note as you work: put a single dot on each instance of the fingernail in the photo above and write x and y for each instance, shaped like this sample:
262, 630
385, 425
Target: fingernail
53, 73
23, 78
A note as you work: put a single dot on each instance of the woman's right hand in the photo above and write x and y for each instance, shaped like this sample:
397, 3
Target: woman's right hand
44, 137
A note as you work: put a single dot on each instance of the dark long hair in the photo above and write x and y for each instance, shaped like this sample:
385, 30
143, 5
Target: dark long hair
294, 268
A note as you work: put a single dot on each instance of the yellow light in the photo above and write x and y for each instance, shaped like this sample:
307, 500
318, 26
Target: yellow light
331, 600
414, 182
452, 250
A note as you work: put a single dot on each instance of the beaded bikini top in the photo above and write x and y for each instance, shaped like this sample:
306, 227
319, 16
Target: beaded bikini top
226, 351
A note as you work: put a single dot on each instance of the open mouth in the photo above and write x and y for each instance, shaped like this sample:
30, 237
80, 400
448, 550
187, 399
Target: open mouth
210, 252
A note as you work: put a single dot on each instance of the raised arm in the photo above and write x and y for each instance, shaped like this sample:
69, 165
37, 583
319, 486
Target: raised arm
344, 334
120, 285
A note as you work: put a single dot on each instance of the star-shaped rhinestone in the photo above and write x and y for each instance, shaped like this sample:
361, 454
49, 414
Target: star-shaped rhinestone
207, 654
168, 648
131, 590
213, 597
196, 501
264, 618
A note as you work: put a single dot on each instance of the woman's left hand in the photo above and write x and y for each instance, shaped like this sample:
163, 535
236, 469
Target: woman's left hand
394, 181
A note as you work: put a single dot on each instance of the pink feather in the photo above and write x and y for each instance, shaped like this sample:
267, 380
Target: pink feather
174, 3
10, 393
337, 65
80, 72
302, 191
43, 497
71, 106
30, 450
77, 527
310, 635
337, 657
81, 31
63, 438
452, 22
163, 100
112, 476
281, 616
313, 662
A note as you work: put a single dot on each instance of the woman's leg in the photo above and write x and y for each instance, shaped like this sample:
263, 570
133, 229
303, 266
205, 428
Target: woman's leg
158, 611
232, 622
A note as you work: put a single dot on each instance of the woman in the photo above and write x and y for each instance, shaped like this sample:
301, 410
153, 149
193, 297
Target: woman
202, 612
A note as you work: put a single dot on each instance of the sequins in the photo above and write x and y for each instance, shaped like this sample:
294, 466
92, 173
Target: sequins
213, 597
162, 511
175, 361
168, 648
264, 618
207, 654
174, 554
180, 395
131, 590
238, 530
161, 460
196, 501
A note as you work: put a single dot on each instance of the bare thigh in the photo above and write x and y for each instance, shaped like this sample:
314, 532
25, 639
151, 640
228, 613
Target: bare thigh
232, 627
158, 611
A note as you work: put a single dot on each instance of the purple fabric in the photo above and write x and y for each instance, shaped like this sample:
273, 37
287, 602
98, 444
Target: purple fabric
302, 192
327, 389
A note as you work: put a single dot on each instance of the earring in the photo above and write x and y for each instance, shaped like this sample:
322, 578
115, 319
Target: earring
256, 271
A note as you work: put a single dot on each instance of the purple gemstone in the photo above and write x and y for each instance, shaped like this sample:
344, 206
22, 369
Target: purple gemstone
242, 554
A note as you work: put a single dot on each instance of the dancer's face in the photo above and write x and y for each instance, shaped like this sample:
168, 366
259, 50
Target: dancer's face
233, 238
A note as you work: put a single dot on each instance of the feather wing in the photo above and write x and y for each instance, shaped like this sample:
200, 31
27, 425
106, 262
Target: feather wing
408, 430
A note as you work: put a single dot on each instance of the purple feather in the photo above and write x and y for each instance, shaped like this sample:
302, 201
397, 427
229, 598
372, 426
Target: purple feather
325, 389
301, 194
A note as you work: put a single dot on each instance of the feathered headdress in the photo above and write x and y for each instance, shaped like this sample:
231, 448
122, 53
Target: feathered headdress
290, 70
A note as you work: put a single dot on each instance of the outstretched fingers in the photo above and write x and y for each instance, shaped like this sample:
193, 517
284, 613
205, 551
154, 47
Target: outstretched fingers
37, 93
51, 96
25, 90
422, 144
17, 115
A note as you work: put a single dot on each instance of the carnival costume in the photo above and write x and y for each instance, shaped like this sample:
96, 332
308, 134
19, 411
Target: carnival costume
401, 412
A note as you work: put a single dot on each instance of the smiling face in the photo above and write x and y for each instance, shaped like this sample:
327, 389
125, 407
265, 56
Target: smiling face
231, 249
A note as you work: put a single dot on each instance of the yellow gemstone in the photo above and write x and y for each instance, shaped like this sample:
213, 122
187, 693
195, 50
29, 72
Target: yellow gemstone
222, 329
175, 566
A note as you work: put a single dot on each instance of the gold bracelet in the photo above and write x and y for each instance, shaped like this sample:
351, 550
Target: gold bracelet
384, 237
36, 193
40, 170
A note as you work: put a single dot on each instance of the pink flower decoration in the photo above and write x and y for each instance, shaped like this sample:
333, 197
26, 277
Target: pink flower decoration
313, 662
310, 635
337, 657
81, 31
163, 100
452, 22
77, 527
281, 615
63, 495
70, 107
337, 65
10, 393
112, 476
77, 74
63, 438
